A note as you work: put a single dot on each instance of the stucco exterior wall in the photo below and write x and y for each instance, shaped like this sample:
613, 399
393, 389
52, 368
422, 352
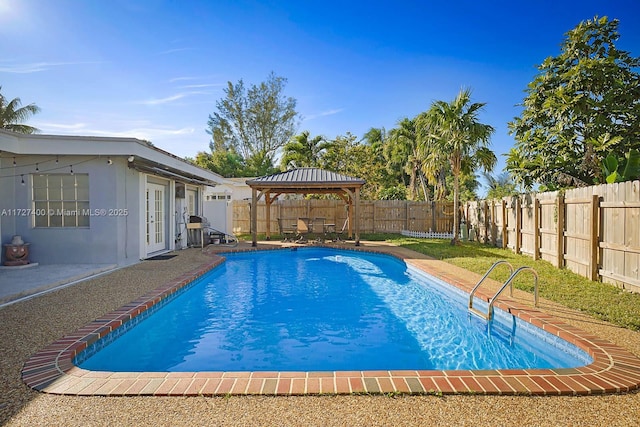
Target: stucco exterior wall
113, 235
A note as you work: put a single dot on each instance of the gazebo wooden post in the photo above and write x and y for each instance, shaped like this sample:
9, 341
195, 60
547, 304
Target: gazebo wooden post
349, 198
356, 213
267, 199
254, 217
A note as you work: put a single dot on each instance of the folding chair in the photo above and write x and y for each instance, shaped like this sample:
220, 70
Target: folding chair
337, 237
302, 229
287, 230
317, 229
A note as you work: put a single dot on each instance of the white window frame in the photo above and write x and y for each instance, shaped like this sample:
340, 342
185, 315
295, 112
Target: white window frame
60, 200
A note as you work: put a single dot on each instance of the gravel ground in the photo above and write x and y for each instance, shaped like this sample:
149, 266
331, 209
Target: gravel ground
30, 325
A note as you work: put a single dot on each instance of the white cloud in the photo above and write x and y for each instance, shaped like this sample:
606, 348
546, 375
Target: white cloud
189, 78
148, 133
177, 50
169, 99
37, 67
201, 86
158, 101
324, 113
61, 126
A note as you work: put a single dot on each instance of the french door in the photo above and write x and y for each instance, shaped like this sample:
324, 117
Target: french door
156, 218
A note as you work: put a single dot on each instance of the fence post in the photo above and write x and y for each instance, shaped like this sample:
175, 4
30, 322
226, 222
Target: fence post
593, 238
406, 215
433, 215
504, 224
518, 225
536, 228
560, 232
486, 222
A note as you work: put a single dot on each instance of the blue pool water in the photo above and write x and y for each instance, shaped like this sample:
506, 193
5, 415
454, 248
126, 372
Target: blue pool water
319, 309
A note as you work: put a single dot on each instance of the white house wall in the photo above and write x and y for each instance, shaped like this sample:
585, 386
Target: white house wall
111, 237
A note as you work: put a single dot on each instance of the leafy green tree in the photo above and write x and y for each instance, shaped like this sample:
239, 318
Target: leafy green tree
499, 186
452, 131
346, 155
403, 155
620, 170
303, 151
581, 106
377, 173
336, 156
226, 163
256, 122
399, 192
12, 115
469, 185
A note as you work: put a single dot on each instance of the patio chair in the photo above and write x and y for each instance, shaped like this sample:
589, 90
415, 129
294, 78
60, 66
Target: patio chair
337, 234
317, 229
302, 230
287, 230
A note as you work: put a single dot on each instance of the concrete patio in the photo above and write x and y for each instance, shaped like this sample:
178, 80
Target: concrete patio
18, 283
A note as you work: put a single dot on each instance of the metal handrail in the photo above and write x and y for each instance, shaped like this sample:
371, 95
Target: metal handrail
475, 288
509, 280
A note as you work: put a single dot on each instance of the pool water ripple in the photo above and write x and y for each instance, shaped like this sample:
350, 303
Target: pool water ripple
321, 309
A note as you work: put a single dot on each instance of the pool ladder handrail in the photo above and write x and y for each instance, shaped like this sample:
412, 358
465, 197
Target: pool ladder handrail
508, 282
475, 288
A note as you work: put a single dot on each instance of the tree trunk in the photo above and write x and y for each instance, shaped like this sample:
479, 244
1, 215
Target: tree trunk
456, 205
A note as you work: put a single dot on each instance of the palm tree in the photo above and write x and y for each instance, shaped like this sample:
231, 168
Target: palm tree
303, 151
12, 115
451, 131
499, 186
403, 153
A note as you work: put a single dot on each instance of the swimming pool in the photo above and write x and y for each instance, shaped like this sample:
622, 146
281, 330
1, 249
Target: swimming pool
321, 309
53, 370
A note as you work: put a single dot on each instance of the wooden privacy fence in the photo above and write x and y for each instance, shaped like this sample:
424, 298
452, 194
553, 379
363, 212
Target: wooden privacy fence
592, 231
379, 216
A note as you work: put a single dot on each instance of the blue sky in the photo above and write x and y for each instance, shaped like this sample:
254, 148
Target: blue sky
154, 69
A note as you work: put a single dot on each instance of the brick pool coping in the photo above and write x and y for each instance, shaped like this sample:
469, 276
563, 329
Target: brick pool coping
613, 370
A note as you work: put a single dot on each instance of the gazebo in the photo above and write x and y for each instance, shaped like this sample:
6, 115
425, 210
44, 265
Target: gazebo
305, 181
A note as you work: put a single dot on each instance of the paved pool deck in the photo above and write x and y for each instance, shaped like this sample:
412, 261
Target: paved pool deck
22, 282
614, 369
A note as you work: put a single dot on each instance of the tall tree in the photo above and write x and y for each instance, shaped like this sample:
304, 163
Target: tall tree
373, 166
452, 131
303, 151
499, 186
255, 122
581, 106
12, 115
403, 153
336, 157
226, 163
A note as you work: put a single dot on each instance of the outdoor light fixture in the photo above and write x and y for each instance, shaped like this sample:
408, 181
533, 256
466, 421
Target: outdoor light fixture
22, 179
109, 161
131, 159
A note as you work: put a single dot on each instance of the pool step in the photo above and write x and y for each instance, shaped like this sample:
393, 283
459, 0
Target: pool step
478, 313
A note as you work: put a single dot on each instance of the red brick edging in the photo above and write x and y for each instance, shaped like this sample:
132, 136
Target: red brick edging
52, 370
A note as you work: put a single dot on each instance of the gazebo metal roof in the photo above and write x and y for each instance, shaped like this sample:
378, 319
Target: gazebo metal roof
306, 181
303, 177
